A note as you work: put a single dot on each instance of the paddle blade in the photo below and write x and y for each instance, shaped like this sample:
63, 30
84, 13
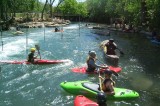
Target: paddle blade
37, 47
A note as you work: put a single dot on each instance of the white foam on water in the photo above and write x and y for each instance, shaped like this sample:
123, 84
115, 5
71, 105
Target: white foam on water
57, 67
18, 79
71, 27
14, 48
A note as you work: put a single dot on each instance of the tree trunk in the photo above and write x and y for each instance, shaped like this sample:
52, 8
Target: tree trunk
51, 11
44, 9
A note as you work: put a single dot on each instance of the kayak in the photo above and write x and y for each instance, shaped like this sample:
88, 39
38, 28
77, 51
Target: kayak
90, 89
112, 59
40, 62
17, 32
83, 70
81, 100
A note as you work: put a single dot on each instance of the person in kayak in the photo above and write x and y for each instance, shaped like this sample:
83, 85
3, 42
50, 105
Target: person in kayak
111, 47
108, 83
17, 28
31, 56
56, 29
91, 62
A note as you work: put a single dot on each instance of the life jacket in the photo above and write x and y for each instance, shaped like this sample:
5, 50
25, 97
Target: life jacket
90, 67
31, 57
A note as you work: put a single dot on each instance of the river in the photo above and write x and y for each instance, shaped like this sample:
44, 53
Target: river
38, 85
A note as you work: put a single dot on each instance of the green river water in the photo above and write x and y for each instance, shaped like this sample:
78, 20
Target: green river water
38, 85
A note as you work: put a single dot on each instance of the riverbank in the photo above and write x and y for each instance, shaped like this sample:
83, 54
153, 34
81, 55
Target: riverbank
55, 22
103, 29
32, 23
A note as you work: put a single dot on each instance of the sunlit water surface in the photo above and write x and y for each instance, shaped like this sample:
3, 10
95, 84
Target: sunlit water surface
38, 85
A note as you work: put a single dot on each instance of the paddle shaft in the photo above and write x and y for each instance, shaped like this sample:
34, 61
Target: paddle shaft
116, 74
101, 62
120, 51
100, 82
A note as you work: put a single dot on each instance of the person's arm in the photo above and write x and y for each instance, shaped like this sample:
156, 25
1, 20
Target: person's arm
96, 65
101, 77
35, 57
100, 66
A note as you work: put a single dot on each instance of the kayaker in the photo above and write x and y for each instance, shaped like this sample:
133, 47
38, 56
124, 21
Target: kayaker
111, 47
17, 28
108, 83
91, 62
31, 56
56, 29
101, 99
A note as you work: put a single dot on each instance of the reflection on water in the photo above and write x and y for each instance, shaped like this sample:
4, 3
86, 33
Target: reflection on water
38, 85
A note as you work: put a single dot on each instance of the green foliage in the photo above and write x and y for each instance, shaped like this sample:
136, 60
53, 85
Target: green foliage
18, 6
131, 11
72, 7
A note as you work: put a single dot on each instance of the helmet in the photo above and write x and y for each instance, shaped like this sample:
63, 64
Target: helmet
109, 72
101, 98
92, 53
112, 40
33, 49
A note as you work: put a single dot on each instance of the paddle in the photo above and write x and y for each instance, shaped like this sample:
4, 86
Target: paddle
101, 96
100, 82
121, 52
38, 48
113, 69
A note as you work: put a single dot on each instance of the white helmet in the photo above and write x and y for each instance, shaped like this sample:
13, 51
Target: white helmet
92, 53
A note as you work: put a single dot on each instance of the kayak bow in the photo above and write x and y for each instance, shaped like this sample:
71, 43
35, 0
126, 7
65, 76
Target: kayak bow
81, 100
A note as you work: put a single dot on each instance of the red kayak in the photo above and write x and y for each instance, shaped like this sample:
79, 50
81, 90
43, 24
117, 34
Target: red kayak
81, 100
83, 70
40, 62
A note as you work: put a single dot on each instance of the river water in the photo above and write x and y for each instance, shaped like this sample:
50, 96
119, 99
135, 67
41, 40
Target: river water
38, 85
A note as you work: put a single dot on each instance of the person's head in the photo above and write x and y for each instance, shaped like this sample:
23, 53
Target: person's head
108, 73
33, 50
101, 99
111, 40
92, 54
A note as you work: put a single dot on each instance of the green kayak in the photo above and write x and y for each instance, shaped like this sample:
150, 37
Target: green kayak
90, 89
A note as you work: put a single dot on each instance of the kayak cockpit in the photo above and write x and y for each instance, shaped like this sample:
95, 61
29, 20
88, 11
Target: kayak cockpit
91, 86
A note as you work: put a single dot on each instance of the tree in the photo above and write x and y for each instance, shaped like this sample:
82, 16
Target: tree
72, 7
